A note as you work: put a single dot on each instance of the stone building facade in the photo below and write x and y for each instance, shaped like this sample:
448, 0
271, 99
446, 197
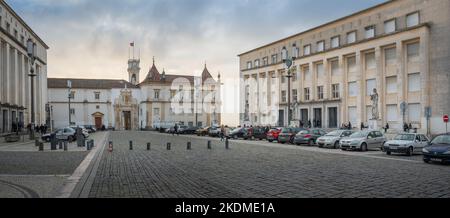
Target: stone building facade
398, 47
15, 84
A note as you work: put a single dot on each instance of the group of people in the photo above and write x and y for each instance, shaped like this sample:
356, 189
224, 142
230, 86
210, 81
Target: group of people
42, 129
309, 124
347, 126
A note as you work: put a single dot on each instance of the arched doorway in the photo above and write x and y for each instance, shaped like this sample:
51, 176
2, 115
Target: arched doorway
98, 119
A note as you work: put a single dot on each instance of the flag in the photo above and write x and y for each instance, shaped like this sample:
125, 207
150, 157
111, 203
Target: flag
132, 44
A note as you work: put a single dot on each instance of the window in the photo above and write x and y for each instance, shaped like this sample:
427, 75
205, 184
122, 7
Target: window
371, 84
412, 19
320, 46
157, 92
351, 64
335, 68
352, 89
307, 74
294, 95
72, 95
265, 61
295, 51
392, 113
257, 63
391, 84
97, 107
335, 42
413, 51
8, 27
335, 91
156, 112
414, 112
307, 50
72, 111
370, 61
307, 94
97, 95
352, 115
414, 82
249, 65
370, 32
320, 72
274, 59
283, 96
389, 26
294, 74
283, 78
351, 37
320, 92
390, 55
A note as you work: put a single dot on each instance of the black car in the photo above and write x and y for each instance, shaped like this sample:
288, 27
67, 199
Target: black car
189, 130
438, 150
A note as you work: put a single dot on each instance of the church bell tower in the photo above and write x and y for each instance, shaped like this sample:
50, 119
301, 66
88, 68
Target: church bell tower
133, 71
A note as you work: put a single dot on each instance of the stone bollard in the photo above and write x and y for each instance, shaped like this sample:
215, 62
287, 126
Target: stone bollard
111, 146
227, 143
169, 146
131, 145
189, 146
41, 146
209, 145
149, 146
65, 145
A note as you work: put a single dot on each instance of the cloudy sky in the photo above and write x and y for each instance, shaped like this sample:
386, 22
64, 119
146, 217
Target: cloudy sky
90, 38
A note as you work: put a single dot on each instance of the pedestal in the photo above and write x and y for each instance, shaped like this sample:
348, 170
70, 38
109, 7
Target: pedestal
375, 124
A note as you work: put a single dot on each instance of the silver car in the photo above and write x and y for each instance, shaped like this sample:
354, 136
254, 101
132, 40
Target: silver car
332, 139
364, 141
408, 143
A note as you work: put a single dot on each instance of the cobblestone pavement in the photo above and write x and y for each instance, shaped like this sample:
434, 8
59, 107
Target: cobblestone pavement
258, 170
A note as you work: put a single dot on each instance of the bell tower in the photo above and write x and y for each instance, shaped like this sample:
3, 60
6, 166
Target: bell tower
133, 71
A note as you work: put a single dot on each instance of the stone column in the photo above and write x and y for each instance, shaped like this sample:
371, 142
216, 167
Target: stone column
343, 90
381, 84
425, 75
360, 82
401, 78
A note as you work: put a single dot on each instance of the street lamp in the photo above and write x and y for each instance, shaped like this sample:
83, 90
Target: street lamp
69, 87
31, 51
289, 61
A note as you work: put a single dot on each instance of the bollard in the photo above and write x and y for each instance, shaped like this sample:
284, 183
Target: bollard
227, 144
60, 145
65, 145
149, 146
111, 146
209, 145
169, 146
131, 145
41, 146
189, 146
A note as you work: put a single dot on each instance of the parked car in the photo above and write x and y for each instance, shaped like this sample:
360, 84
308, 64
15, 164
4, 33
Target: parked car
287, 135
189, 130
438, 150
66, 133
202, 131
308, 136
239, 133
181, 129
363, 140
332, 139
259, 133
272, 135
90, 128
214, 131
408, 144
83, 130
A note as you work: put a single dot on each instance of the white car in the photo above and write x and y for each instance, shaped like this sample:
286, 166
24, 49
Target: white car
408, 143
364, 141
84, 130
332, 139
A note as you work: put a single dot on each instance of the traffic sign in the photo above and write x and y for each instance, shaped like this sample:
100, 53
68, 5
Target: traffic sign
446, 118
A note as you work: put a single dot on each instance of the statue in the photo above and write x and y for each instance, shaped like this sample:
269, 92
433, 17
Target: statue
374, 99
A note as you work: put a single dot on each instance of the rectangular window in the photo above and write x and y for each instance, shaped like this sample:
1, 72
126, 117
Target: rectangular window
307, 74
294, 95
389, 26
351, 64
307, 94
335, 68
156, 112
413, 50
351, 37
283, 78
352, 89
370, 61
265, 61
370, 32
72, 111
391, 84
157, 91
371, 84
320, 92
392, 113
283, 96
390, 55
412, 19
257, 63
414, 112
295, 51
274, 59
335, 91
320, 46
249, 65
307, 50
414, 82
294, 74
320, 71
335, 42
97, 95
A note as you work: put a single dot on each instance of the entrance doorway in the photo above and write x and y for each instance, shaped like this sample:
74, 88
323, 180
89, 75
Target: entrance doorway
304, 116
317, 122
281, 118
332, 117
5, 121
127, 120
98, 122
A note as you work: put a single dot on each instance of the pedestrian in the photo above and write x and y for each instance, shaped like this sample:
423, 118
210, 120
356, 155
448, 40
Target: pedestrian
222, 133
227, 132
362, 126
175, 129
350, 126
386, 128
405, 127
309, 124
410, 127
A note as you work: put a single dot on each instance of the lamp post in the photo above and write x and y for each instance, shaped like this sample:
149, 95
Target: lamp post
69, 87
289, 62
31, 52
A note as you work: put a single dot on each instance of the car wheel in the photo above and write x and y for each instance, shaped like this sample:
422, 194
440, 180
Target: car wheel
410, 151
388, 152
70, 138
270, 141
364, 147
336, 145
426, 161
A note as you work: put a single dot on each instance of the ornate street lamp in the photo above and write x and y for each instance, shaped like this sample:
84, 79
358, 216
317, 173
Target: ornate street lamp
31, 52
289, 62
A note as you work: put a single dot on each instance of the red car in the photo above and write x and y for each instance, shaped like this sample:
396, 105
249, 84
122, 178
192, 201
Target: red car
272, 135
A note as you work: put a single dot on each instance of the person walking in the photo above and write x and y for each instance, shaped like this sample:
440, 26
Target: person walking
350, 126
222, 133
175, 129
386, 128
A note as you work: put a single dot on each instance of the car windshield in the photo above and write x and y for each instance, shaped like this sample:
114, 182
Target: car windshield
442, 139
405, 137
236, 130
359, 135
335, 133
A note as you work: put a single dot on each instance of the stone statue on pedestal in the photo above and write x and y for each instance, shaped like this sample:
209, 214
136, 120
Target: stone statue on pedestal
374, 98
